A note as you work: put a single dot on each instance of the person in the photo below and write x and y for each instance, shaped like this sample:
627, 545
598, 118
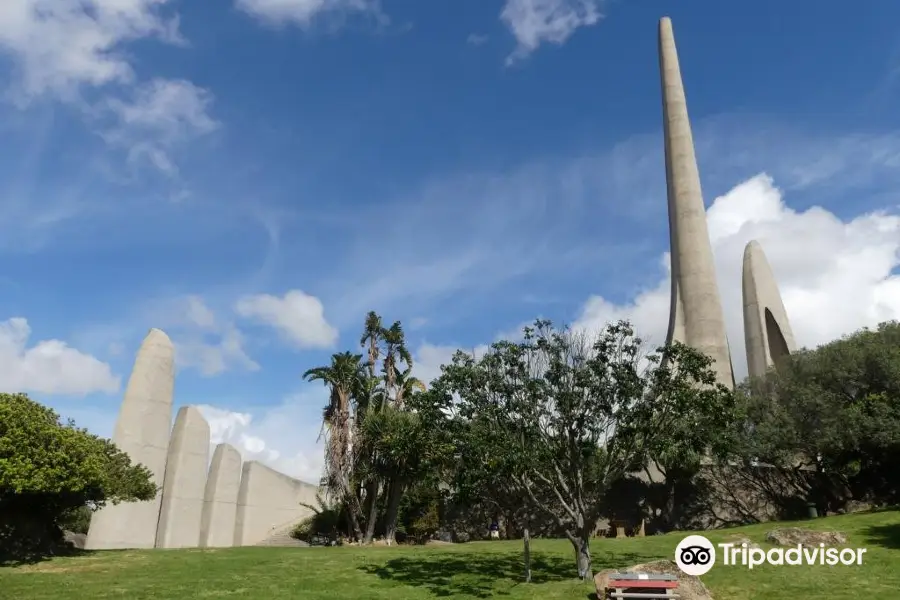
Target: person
495, 530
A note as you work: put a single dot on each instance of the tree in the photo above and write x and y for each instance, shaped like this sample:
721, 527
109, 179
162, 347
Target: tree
404, 452
560, 415
827, 423
371, 399
49, 469
343, 377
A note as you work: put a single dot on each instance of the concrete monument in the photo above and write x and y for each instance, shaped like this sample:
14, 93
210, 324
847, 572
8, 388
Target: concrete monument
185, 481
142, 431
696, 316
767, 331
220, 498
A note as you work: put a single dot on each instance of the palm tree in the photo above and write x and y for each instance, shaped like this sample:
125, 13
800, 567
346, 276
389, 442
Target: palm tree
395, 353
371, 399
343, 377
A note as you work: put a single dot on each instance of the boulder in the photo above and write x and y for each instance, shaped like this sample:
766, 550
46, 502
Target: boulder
689, 587
791, 536
77, 540
737, 540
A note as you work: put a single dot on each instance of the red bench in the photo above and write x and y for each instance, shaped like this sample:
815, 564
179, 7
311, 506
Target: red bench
646, 586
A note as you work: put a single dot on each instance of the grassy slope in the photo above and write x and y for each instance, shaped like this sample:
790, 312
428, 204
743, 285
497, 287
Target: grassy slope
475, 570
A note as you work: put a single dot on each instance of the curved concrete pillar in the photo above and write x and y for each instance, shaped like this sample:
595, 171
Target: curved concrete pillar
142, 431
185, 481
696, 310
767, 331
268, 501
220, 498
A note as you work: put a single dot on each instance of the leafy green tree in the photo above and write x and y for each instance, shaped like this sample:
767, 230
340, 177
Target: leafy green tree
403, 450
49, 469
827, 422
560, 416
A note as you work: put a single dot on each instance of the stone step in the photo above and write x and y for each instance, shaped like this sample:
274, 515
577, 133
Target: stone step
282, 539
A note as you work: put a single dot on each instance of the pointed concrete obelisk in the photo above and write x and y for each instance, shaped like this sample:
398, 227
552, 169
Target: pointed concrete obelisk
182, 495
142, 431
696, 317
220, 498
767, 331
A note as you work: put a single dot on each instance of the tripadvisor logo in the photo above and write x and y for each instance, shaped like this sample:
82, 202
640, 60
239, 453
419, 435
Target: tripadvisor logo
696, 555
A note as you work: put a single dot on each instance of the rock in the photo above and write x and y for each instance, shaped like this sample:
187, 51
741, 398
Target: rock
689, 587
601, 580
791, 536
76, 539
461, 537
741, 539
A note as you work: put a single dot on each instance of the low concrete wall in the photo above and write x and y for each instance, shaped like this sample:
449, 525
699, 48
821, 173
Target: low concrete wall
268, 501
220, 498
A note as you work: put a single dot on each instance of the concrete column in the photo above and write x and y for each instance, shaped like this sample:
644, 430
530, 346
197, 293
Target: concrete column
182, 500
220, 498
767, 331
142, 431
696, 305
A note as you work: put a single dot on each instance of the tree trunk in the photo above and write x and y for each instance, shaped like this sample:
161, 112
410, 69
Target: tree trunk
581, 544
393, 507
527, 541
372, 500
352, 516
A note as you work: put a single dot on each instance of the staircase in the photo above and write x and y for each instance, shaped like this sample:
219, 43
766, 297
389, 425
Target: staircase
282, 538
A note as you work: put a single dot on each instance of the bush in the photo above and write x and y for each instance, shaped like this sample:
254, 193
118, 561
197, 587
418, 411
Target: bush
50, 472
321, 527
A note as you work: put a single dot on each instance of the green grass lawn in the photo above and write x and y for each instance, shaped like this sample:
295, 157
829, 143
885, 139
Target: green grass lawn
474, 570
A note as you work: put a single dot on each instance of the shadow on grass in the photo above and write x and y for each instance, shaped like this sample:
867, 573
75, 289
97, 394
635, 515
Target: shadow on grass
887, 536
446, 575
17, 557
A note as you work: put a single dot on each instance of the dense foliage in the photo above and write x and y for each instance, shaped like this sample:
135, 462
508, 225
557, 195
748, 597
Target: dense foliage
50, 471
826, 424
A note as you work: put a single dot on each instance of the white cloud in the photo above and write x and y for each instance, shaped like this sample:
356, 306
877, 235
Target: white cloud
50, 366
304, 12
428, 358
534, 22
62, 44
284, 437
835, 276
299, 317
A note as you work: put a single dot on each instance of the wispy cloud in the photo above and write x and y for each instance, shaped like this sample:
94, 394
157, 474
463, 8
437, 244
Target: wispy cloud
74, 52
536, 22
160, 115
304, 12
477, 39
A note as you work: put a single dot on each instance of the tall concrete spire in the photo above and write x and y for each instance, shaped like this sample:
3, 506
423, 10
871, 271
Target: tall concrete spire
767, 331
696, 316
142, 431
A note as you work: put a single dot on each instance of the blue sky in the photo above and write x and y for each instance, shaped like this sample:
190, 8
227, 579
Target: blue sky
252, 176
